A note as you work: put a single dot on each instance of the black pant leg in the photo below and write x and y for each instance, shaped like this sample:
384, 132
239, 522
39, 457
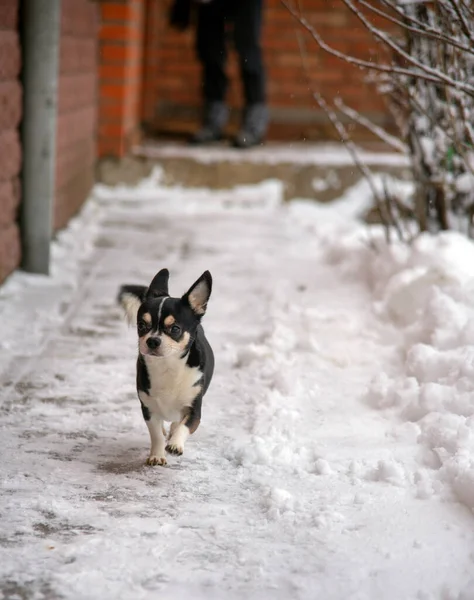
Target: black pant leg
247, 30
211, 49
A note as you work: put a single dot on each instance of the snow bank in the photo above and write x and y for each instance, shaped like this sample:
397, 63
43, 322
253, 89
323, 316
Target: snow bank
427, 292
42, 300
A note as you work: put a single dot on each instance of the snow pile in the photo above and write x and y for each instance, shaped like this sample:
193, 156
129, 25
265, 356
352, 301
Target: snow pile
427, 291
357, 200
41, 301
277, 363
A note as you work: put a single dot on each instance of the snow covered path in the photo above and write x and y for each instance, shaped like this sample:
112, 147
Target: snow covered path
295, 485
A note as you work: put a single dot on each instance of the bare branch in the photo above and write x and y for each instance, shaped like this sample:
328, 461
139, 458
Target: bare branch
377, 33
393, 217
430, 92
419, 109
363, 168
432, 34
383, 135
394, 6
464, 25
364, 63
467, 7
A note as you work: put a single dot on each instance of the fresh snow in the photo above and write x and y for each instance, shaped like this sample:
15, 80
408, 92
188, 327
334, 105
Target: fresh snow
296, 153
335, 458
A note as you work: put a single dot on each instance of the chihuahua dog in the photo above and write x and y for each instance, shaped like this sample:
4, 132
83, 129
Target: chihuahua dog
175, 361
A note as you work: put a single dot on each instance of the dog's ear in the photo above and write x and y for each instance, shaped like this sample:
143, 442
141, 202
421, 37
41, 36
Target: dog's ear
198, 294
159, 285
130, 297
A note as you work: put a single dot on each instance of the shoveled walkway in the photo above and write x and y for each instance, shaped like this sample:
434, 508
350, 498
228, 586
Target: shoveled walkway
285, 491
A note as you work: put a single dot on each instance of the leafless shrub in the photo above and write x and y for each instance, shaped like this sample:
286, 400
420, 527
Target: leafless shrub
425, 70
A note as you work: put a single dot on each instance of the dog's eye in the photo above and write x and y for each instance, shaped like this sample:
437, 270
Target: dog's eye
142, 327
175, 329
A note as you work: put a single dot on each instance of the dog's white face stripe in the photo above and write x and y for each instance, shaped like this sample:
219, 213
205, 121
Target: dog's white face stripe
168, 345
160, 309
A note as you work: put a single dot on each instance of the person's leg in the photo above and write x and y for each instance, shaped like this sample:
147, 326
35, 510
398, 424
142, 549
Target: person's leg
211, 51
247, 31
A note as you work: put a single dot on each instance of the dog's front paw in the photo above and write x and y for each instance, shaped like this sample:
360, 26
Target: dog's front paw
153, 460
174, 449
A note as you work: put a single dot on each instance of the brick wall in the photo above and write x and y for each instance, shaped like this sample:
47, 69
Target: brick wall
10, 149
172, 82
121, 55
77, 107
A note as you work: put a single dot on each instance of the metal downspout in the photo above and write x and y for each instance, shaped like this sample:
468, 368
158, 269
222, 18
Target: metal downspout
40, 39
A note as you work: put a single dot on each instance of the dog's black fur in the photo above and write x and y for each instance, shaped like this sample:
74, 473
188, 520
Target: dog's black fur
175, 361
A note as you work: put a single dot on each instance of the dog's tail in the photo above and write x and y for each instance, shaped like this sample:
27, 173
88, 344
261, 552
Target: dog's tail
130, 297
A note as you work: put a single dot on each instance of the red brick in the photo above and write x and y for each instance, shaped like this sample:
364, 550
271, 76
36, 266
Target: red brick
9, 200
71, 196
10, 154
73, 159
280, 43
79, 18
121, 55
112, 73
10, 104
111, 130
115, 32
9, 14
88, 49
74, 126
10, 250
113, 11
113, 53
10, 61
77, 91
113, 91
111, 114
77, 54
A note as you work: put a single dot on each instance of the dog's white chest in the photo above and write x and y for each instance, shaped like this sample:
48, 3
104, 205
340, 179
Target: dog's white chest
172, 386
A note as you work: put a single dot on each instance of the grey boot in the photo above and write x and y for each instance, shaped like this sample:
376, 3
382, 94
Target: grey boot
254, 126
216, 115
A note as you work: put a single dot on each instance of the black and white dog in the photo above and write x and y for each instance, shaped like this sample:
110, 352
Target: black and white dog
175, 361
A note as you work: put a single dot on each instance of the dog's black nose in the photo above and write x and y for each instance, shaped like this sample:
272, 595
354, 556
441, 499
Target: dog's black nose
153, 343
